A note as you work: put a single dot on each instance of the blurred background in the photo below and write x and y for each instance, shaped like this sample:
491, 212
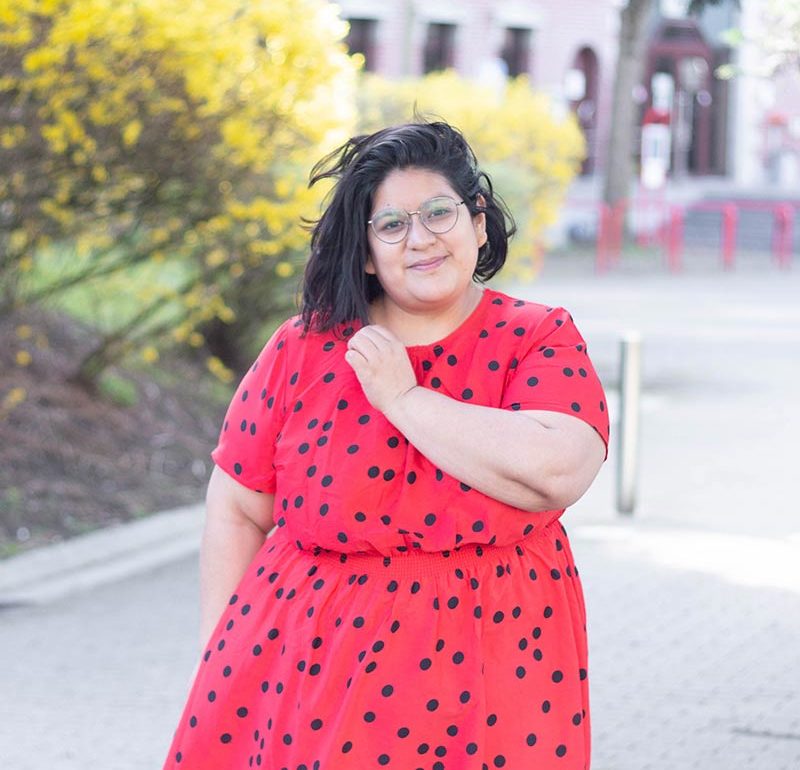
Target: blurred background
154, 214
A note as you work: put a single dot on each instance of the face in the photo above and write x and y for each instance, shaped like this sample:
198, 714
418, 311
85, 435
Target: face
425, 270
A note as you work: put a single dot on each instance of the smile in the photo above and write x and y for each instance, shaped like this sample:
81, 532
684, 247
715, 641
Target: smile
430, 264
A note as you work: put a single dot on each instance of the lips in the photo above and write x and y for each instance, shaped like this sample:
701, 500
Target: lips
429, 262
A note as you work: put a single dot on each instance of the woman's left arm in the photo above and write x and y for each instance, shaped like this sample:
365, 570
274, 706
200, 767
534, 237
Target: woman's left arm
533, 460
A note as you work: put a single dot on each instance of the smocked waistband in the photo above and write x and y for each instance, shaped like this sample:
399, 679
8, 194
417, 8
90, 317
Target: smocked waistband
416, 562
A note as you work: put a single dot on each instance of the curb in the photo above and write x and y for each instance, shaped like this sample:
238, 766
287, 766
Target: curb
53, 571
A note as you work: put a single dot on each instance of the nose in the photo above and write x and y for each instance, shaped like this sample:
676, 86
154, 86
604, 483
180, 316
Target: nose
418, 235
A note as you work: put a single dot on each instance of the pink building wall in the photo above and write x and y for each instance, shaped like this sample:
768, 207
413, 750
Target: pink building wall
559, 30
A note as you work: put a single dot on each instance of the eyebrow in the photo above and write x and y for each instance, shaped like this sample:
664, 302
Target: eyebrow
432, 197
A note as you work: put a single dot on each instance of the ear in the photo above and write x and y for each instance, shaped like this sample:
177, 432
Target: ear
479, 222
369, 266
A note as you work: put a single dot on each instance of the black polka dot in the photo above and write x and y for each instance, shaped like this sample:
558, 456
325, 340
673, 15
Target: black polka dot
226, 737
561, 750
576, 407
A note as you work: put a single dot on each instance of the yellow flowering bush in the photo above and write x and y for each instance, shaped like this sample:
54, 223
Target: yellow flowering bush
177, 134
530, 154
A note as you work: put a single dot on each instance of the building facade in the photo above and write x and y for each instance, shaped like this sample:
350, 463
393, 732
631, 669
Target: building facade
746, 130
488, 40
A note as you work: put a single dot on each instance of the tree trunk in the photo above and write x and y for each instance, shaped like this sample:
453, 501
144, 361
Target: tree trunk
630, 66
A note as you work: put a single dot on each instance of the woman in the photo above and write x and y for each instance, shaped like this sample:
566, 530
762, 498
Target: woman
415, 437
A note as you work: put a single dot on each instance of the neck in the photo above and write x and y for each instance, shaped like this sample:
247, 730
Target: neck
424, 326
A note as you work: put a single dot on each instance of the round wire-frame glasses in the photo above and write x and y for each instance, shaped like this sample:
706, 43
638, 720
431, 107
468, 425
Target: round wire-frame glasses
438, 215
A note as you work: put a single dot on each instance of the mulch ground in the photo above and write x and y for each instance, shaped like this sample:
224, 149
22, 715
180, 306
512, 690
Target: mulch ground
72, 460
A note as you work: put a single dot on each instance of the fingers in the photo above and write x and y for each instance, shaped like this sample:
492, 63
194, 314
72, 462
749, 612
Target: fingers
374, 337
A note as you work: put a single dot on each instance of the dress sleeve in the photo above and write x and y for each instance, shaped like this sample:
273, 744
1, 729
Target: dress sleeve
254, 418
554, 373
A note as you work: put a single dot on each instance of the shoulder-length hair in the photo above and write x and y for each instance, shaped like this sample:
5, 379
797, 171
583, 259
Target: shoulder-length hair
336, 287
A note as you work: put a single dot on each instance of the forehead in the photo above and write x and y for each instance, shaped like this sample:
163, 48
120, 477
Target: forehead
407, 188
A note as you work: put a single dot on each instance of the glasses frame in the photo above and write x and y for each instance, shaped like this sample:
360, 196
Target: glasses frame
409, 214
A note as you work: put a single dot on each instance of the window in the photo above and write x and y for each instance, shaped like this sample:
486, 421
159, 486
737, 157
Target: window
439, 49
516, 51
361, 39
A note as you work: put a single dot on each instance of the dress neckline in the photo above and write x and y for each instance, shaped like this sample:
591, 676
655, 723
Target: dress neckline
471, 320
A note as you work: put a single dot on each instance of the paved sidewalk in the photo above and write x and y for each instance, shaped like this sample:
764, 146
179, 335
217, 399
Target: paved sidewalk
693, 604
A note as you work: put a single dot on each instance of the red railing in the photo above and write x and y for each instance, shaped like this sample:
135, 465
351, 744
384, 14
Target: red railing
669, 229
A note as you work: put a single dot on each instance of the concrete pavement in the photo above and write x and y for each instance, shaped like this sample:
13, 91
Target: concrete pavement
693, 603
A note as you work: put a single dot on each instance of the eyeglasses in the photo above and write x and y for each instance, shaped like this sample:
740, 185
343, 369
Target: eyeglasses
438, 215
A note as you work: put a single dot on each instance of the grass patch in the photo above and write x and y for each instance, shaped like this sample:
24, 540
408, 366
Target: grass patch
118, 390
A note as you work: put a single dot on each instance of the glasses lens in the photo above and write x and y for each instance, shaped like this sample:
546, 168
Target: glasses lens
439, 214
390, 225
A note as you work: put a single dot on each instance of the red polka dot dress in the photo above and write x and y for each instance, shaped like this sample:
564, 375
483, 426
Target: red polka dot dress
396, 617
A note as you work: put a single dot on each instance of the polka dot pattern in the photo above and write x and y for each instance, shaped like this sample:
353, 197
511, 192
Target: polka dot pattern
396, 617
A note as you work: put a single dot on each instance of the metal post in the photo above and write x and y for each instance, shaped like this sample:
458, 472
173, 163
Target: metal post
629, 397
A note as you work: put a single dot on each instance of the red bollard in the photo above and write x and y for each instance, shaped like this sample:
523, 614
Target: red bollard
730, 217
782, 242
603, 231
674, 240
617, 231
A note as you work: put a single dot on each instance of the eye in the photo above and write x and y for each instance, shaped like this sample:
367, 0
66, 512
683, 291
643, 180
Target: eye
389, 222
439, 208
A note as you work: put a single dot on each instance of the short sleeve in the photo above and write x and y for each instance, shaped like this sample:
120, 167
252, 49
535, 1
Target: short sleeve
254, 418
554, 373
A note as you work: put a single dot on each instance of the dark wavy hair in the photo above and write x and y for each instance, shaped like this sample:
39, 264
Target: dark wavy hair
336, 287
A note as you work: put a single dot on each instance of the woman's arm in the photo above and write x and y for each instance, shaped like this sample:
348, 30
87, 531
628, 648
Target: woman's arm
237, 521
537, 461
534, 460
